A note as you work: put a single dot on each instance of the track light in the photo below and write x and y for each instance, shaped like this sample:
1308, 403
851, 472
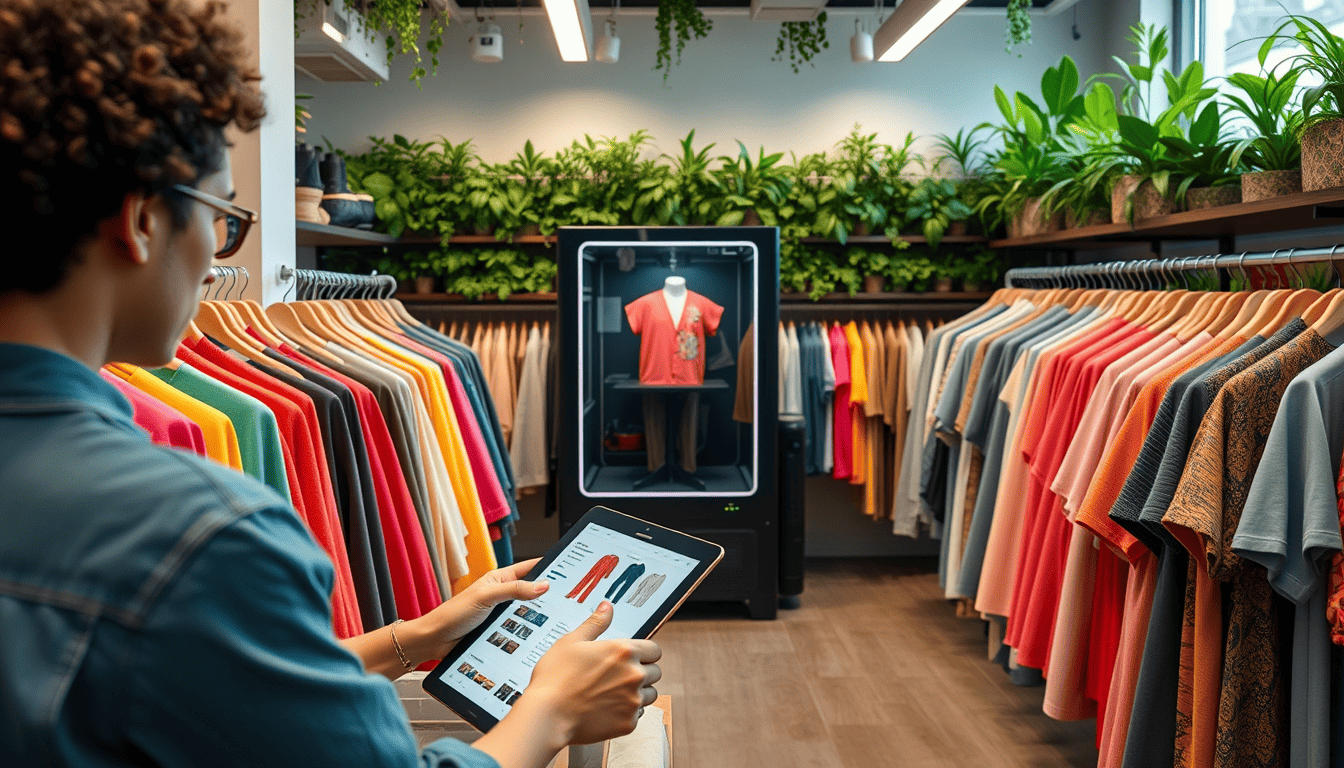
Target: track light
488, 44
910, 24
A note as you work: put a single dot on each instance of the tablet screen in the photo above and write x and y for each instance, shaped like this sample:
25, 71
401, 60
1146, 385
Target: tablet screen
599, 563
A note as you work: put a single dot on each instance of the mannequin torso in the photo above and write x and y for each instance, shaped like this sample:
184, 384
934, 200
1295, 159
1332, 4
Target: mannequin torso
674, 293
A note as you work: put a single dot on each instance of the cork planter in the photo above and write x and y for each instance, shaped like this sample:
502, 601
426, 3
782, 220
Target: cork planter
424, 284
1149, 204
1035, 221
1124, 187
1323, 155
1092, 219
1263, 185
1204, 198
874, 284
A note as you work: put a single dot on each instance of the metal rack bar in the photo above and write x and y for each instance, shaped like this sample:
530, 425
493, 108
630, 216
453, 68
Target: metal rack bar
1140, 273
321, 284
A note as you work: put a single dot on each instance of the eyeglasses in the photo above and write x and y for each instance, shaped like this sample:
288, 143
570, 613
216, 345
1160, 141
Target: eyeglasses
231, 221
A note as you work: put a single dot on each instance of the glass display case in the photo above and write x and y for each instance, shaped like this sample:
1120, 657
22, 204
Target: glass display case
668, 392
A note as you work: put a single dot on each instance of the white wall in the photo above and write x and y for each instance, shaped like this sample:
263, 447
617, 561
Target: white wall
726, 87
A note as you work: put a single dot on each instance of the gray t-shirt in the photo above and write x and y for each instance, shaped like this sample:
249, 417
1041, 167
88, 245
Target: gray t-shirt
1291, 526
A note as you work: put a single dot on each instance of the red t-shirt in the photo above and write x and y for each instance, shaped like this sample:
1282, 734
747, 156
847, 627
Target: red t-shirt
414, 585
672, 354
843, 420
297, 419
165, 424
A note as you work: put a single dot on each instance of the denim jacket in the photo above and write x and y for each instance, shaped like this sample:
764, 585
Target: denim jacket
159, 609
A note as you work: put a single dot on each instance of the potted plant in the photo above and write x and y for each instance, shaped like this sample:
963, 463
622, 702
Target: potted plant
907, 273
962, 151
1206, 164
526, 182
979, 268
856, 178
684, 20
681, 193
1273, 153
1323, 104
944, 275
934, 205
754, 188
874, 265
1136, 164
425, 267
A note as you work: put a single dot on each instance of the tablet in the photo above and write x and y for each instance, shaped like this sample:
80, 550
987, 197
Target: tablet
645, 570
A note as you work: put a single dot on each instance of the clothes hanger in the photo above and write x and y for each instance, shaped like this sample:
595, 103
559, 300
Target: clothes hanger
1328, 319
1297, 301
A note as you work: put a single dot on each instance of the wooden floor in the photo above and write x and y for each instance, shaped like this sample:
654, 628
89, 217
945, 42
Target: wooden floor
873, 671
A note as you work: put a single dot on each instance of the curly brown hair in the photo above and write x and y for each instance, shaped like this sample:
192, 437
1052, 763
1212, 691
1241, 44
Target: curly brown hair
102, 98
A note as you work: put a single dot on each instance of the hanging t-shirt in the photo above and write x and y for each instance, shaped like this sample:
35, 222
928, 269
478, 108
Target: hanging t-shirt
166, 425
672, 351
844, 443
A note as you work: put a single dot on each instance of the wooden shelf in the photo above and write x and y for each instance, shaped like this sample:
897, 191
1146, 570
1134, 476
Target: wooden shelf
321, 235
904, 297
884, 240
531, 299
1278, 214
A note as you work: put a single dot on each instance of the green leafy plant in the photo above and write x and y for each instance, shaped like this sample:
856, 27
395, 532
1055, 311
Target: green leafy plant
1322, 57
979, 266
681, 193
801, 41
301, 114
1205, 159
1275, 122
934, 203
757, 185
911, 272
401, 24
416, 186
1019, 25
682, 19
963, 149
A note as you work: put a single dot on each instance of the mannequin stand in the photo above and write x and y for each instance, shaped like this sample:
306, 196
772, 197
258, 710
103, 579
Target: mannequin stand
671, 471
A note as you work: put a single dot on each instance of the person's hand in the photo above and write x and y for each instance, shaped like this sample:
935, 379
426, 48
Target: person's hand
440, 629
597, 688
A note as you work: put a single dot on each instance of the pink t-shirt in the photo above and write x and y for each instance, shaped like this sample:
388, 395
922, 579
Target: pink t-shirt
843, 433
672, 354
165, 424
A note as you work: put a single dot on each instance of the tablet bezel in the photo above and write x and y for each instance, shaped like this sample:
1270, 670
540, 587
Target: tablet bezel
706, 554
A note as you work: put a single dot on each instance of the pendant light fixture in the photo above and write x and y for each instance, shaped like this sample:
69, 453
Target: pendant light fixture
861, 44
572, 24
487, 45
910, 24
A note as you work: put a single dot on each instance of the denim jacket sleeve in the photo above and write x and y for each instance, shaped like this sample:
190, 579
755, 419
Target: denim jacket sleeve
237, 664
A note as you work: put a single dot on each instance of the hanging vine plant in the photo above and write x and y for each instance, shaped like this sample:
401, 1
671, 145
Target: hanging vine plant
801, 40
1019, 25
683, 18
399, 21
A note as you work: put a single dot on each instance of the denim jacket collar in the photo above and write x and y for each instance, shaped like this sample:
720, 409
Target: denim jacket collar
37, 380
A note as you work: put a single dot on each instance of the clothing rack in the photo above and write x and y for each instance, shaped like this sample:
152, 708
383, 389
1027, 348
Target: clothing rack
321, 284
1139, 274
230, 273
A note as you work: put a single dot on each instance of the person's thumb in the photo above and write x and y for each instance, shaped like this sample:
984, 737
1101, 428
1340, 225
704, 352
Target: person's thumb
594, 625
494, 594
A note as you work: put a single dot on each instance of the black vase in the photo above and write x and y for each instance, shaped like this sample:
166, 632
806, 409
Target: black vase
306, 173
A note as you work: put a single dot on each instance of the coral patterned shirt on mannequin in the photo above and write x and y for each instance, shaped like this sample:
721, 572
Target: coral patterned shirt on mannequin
672, 353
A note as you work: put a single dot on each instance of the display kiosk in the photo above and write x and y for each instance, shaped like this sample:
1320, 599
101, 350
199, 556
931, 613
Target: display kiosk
671, 333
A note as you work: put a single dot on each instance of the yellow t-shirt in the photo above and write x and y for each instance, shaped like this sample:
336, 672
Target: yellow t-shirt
221, 440
858, 397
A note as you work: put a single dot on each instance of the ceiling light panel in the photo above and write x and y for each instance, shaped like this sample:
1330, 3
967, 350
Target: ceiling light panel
910, 24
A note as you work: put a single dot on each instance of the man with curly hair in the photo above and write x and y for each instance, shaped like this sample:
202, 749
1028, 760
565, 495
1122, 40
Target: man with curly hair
157, 608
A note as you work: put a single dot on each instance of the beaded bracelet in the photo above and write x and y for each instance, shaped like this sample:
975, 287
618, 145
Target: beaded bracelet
392, 629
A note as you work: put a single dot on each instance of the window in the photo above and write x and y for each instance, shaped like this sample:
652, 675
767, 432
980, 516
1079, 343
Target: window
1231, 31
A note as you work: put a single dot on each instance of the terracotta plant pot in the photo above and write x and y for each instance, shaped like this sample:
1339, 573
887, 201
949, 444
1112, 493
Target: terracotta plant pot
874, 284
529, 230
942, 285
1093, 219
973, 288
424, 284
1014, 226
1204, 198
861, 229
1262, 185
1124, 186
956, 229
750, 218
484, 230
1148, 204
1035, 222
1323, 155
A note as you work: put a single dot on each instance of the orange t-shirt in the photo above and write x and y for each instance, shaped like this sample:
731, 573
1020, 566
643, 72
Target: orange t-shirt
672, 353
